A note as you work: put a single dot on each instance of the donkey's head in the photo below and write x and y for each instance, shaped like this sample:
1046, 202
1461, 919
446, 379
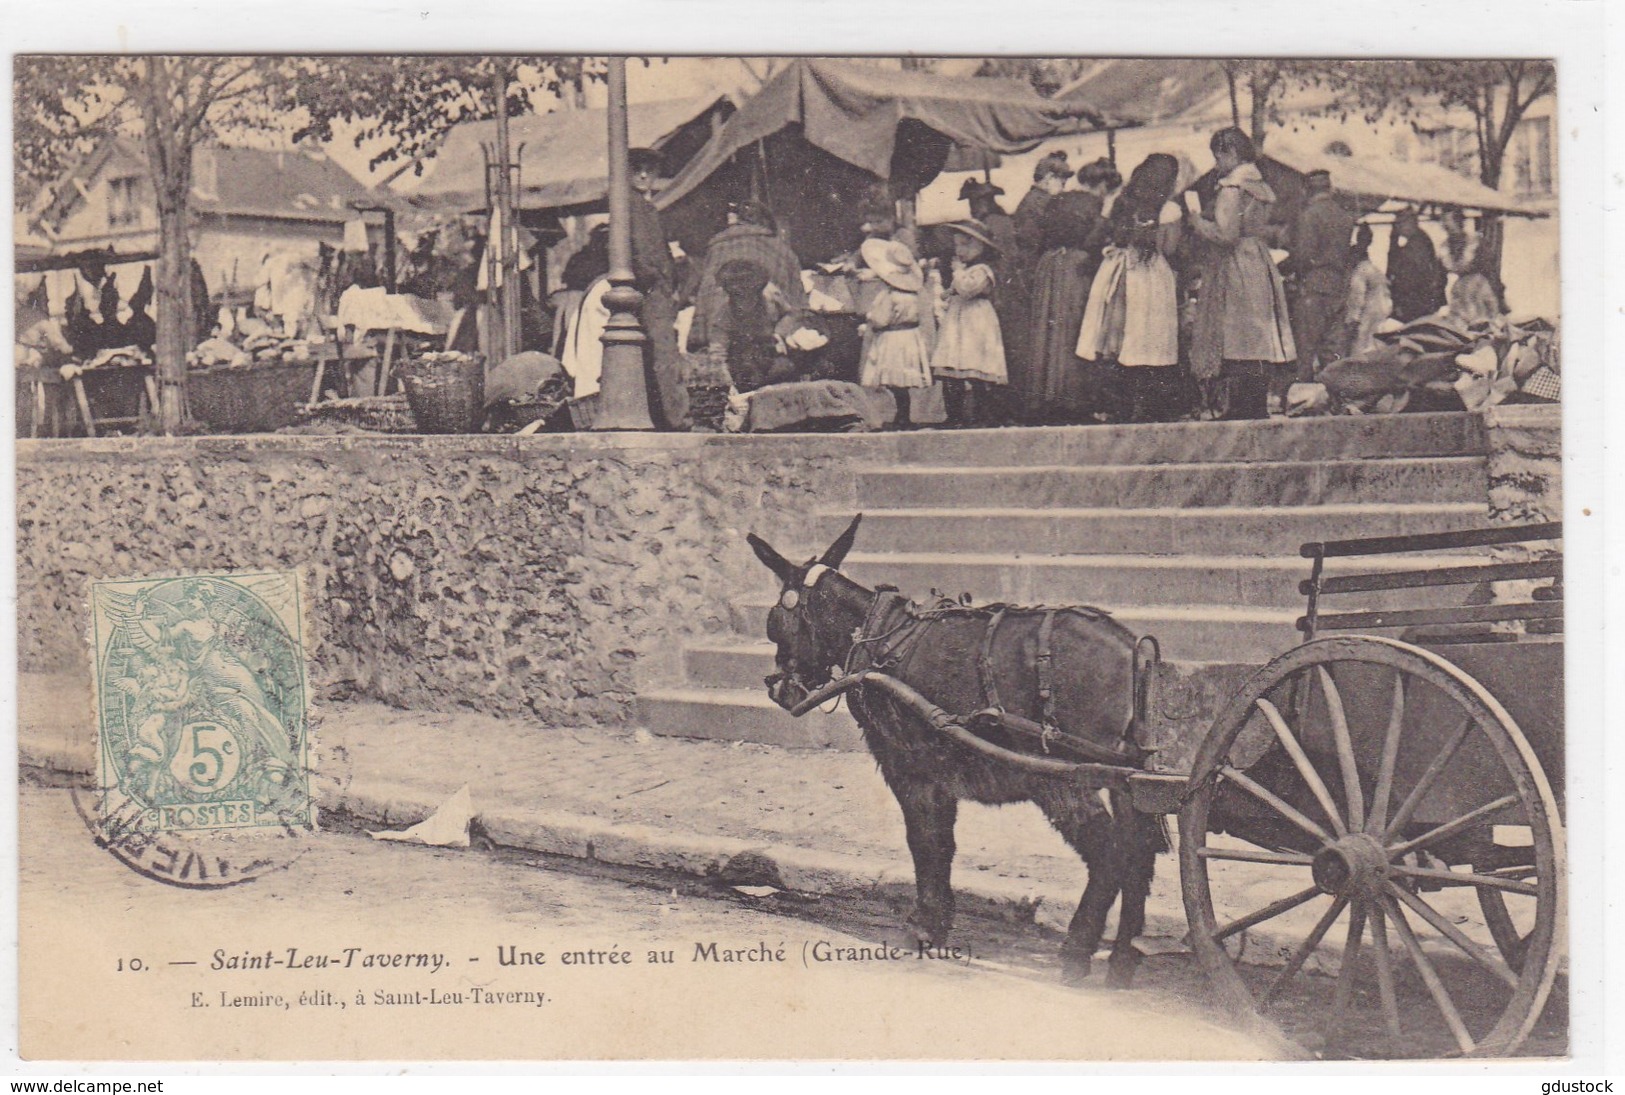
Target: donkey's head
809, 623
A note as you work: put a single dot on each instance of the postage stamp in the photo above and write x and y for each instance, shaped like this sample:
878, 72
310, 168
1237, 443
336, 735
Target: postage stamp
202, 703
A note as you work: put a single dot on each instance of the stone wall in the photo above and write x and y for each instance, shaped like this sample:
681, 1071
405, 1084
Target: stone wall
1525, 462
547, 576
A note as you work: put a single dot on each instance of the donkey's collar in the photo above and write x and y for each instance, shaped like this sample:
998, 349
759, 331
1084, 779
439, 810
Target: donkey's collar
814, 572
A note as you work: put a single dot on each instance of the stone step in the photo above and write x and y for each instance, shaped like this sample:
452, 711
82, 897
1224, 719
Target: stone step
743, 715
1189, 633
1207, 530
1430, 479
1336, 438
1120, 582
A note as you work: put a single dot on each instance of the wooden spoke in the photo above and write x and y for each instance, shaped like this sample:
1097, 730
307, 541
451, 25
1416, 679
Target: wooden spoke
1345, 749
1454, 934
1430, 977
1268, 912
1270, 798
1300, 760
1390, 756
1451, 828
1246, 855
1385, 969
1305, 949
1351, 958
1431, 773
1454, 878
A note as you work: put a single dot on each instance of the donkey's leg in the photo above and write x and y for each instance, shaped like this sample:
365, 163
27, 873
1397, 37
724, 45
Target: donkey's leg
1088, 924
1085, 825
929, 812
1141, 840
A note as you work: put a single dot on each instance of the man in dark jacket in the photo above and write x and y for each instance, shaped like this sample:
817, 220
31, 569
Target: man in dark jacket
1416, 277
653, 267
1319, 260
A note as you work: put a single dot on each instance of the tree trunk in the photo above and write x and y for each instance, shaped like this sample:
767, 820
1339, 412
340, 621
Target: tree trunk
1491, 226
1260, 95
174, 317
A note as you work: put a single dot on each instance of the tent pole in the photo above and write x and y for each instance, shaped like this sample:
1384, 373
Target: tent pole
761, 159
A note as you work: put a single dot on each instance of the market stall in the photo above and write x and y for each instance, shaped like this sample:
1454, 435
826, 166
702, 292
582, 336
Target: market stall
819, 137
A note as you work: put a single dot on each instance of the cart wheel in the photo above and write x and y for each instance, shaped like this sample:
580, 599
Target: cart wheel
1366, 780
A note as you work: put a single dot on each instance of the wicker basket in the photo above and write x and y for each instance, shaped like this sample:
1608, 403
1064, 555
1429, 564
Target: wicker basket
254, 400
377, 413
707, 404
446, 391
584, 412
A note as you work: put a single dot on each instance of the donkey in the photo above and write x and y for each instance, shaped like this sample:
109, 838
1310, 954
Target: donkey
970, 661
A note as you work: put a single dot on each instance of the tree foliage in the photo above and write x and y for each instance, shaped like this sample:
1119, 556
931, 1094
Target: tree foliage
406, 104
1495, 95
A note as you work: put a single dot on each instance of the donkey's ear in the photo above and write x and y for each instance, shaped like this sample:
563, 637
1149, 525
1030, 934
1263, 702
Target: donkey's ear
836, 553
778, 564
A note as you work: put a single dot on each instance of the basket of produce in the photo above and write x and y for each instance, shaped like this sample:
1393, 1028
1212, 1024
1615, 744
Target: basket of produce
256, 399
542, 405
709, 384
446, 391
375, 413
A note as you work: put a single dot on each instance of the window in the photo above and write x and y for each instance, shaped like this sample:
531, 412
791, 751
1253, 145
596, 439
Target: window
123, 202
1456, 149
1529, 155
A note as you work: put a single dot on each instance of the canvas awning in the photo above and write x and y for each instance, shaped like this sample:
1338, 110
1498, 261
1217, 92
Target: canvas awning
853, 112
563, 156
1160, 90
1372, 180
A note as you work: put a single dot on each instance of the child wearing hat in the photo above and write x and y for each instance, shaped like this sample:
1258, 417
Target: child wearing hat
969, 357
894, 354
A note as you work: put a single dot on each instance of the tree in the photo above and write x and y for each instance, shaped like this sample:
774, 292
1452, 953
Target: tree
175, 104
409, 103
64, 103
1496, 95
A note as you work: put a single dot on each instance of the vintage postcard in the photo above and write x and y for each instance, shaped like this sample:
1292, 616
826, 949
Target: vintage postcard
549, 557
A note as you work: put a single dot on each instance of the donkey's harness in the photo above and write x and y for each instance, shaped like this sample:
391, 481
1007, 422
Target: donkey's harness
891, 632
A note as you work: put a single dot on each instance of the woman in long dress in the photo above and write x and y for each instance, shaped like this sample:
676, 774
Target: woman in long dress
1471, 295
1368, 304
1242, 325
969, 356
1133, 313
1015, 303
1072, 226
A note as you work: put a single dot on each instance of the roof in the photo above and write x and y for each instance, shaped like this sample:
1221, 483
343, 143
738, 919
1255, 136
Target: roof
563, 155
293, 185
853, 112
1375, 179
252, 182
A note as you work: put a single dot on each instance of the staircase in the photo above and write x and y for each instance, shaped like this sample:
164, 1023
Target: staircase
1188, 531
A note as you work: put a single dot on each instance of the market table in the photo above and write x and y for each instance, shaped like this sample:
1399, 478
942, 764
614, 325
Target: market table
92, 391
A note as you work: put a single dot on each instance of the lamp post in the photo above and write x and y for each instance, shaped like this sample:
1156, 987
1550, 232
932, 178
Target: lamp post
623, 399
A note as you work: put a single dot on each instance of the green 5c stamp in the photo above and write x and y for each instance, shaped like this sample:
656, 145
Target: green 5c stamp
201, 699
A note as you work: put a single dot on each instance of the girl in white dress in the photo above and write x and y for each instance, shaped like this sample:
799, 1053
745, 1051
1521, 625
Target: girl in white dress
895, 354
1133, 315
970, 346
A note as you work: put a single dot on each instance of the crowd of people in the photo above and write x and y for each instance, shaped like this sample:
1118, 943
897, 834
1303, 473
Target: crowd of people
1098, 299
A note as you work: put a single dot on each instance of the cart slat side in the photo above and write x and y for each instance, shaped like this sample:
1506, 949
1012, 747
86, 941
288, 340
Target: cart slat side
1412, 617
1412, 579
1542, 614
1432, 541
